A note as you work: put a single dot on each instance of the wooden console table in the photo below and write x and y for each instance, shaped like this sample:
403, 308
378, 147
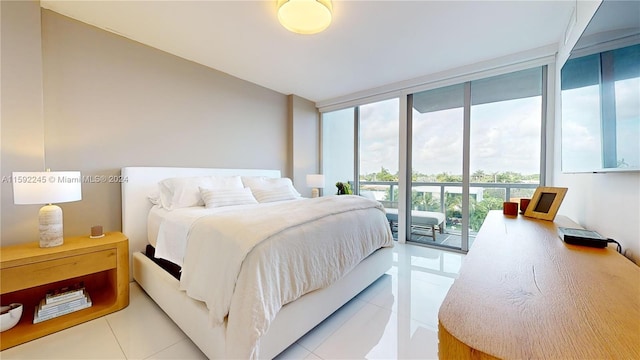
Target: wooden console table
523, 293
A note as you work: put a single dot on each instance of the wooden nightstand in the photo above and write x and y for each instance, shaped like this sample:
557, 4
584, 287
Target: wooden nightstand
28, 271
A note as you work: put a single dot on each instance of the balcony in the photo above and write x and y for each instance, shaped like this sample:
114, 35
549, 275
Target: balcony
446, 198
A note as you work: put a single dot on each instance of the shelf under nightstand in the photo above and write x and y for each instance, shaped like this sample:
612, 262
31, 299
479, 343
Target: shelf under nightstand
27, 271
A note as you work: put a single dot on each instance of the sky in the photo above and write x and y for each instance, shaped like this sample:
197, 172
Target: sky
505, 136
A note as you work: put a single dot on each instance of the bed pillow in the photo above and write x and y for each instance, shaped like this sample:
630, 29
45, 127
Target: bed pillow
181, 192
263, 182
154, 198
227, 197
278, 193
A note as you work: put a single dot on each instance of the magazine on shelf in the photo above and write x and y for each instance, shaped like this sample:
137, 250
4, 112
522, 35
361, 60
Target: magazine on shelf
43, 307
66, 293
61, 309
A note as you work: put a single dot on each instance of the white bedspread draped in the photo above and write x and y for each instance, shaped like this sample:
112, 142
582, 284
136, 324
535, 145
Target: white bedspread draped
245, 266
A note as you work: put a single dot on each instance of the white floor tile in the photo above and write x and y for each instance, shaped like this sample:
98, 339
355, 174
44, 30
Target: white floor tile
183, 350
294, 351
378, 333
394, 318
320, 333
90, 340
142, 328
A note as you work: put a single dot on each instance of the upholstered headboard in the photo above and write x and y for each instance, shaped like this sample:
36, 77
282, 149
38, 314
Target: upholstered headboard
139, 182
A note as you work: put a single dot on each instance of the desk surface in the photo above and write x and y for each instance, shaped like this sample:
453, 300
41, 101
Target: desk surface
523, 293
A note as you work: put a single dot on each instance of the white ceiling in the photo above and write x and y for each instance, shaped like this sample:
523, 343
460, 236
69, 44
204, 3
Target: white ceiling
369, 44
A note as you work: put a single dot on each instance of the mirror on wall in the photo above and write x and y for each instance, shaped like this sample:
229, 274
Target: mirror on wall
600, 85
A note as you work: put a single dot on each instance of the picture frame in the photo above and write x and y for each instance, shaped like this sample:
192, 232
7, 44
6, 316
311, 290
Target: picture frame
545, 202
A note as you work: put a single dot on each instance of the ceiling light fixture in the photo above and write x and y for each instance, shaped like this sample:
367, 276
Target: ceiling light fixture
305, 16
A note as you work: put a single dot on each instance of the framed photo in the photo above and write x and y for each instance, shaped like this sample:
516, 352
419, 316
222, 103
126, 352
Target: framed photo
545, 202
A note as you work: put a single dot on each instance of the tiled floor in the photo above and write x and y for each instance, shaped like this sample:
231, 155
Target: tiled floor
394, 318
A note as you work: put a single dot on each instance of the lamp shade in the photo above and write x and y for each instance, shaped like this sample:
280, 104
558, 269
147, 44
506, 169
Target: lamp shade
305, 16
315, 181
46, 187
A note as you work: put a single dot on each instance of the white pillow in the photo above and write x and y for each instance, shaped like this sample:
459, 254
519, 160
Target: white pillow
263, 182
227, 197
154, 198
183, 192
279, 193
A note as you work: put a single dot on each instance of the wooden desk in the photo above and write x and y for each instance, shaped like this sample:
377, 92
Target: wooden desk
523, 293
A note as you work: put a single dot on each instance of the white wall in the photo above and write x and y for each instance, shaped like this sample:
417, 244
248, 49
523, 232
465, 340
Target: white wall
608, 203
304, 130
22, 126
110, 102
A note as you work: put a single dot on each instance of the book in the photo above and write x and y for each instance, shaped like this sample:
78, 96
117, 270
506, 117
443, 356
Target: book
63, 299
582, 237
64, 293
44, 308
37, 318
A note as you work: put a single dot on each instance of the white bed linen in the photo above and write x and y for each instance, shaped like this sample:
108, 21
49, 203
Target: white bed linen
305, 248
155, 217
167, 230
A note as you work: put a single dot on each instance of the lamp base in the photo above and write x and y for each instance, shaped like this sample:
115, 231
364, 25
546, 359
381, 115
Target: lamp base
315, 193
50, 220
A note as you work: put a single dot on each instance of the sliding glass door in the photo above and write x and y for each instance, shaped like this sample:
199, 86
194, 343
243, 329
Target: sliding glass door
472, 146
338, 148
505, 141
437, 125
378, 145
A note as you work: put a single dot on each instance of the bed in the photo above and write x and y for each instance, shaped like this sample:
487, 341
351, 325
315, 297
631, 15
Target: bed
295, 308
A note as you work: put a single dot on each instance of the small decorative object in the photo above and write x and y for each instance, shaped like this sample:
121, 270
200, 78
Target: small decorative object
96, 232
545, 202
510, 208
48, 188
524, 203
344, 188
10, 315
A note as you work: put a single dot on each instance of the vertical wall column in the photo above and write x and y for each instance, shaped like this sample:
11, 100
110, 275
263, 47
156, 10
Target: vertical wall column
22, 124
304, 132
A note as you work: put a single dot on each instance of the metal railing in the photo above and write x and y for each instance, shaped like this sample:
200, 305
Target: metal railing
393, 202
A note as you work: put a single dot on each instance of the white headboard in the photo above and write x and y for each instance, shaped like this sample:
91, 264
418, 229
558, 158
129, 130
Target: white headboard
139, 182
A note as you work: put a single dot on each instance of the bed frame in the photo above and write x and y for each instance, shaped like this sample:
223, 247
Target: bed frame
294, 319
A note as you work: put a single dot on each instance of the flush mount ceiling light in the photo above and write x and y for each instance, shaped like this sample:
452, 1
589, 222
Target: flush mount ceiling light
305, 16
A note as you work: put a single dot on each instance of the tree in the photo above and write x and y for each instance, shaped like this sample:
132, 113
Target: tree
446, 177
385, 175
478, 176
424, 201
481, 209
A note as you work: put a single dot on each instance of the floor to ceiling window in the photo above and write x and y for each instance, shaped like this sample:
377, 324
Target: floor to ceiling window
470, 147
378, 151
338, 148
360, 147
473, 146
437, 125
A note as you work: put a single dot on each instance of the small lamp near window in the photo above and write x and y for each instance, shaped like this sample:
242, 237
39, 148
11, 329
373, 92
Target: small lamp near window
47, 188
315, 181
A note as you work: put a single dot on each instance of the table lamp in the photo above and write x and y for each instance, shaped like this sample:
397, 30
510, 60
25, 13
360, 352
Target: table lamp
47, 188
315, 181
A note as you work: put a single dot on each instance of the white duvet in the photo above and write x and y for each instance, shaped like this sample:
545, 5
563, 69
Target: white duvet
246, 264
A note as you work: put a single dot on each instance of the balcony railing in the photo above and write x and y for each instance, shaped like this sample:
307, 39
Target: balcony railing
442, 188
391, 193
